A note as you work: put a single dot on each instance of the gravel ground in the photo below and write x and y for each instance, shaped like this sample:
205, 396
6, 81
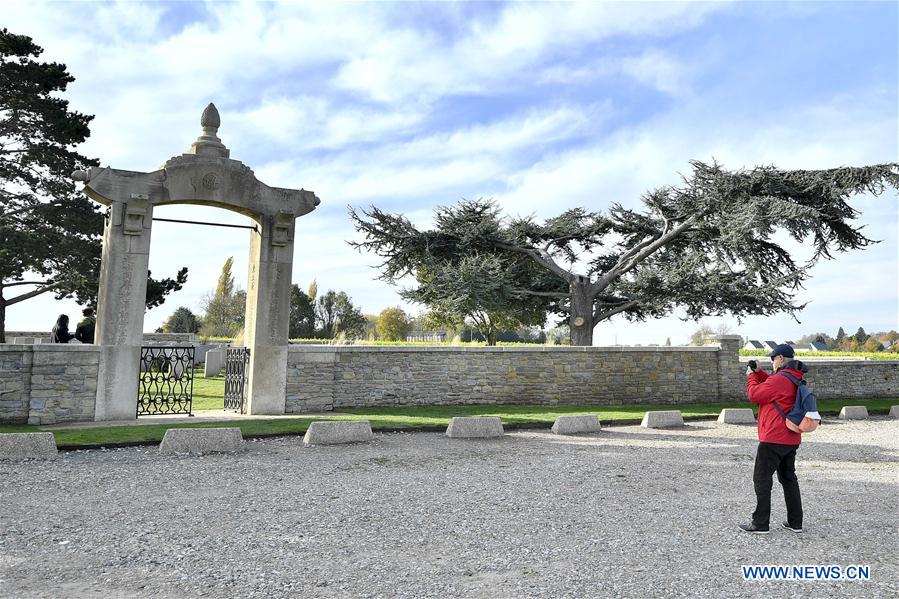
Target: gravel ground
627, 512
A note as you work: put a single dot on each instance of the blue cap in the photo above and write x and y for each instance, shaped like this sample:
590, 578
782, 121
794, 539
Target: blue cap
782, 350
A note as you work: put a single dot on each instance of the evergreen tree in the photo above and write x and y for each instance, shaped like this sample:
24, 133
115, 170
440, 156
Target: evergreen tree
49, 232
860, 336
705, 247
225, 308
182, 320
841, 335
302, 314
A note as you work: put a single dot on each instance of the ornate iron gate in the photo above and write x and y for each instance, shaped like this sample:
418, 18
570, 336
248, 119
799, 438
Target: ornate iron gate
236, 361
166, 380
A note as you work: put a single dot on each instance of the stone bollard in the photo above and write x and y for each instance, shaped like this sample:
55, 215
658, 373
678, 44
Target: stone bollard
23, 446
576, 423
736, 416
197, 441
475, 427
894, 412
854, 413
662, 419
335, 432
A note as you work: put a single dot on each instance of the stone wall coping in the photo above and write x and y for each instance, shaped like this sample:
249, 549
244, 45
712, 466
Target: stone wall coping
834, 361
484, 349
49, 347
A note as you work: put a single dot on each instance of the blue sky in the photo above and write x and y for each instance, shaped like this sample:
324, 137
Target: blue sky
542, 107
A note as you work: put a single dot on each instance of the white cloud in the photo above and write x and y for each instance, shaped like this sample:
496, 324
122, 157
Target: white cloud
504, 52
343, 99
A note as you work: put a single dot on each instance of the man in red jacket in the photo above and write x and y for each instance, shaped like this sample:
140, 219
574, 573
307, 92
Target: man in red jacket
777, 444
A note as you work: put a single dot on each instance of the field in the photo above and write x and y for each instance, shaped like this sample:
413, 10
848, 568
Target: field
826, 354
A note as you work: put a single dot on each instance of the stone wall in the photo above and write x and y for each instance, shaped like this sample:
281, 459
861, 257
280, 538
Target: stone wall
150, 338
322, 378
15, 383
48, 384
850, 380
338, 377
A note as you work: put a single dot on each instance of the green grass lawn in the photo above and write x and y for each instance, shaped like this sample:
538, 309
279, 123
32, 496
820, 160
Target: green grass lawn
414, 418
209, 394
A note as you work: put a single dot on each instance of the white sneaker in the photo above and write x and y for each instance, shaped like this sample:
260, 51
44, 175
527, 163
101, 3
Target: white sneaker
788, 527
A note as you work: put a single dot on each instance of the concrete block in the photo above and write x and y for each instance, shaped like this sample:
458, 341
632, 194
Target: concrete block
854, 413
201, 440
662, 419
474, 427
335, 432
894, 412
215, 361
20, 446
576, 423
736, 416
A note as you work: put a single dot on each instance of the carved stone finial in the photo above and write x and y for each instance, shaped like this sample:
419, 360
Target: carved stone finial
210, 118
209, 144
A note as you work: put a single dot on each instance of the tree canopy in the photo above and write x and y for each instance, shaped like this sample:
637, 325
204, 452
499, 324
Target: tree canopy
225, 308
301, 323
393, 324
703, 248
182, 320
335, 314
49, 231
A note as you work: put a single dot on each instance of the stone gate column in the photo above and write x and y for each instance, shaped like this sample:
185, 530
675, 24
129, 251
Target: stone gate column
268, 311
731, 372
121, 305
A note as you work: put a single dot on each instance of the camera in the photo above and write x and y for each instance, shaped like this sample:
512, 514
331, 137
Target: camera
753, 364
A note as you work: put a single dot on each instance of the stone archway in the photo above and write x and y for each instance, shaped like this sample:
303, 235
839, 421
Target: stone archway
204, 175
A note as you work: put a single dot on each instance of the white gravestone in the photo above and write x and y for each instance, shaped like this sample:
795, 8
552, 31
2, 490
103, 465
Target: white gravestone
215, 361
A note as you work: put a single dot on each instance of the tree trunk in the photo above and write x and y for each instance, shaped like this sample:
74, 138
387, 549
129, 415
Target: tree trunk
491, 337
2, 319
580, 317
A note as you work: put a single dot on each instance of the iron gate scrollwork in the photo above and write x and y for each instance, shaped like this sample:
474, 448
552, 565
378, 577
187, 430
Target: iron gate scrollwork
236, 361
166, 380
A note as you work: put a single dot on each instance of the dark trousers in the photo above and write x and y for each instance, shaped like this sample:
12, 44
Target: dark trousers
771, 458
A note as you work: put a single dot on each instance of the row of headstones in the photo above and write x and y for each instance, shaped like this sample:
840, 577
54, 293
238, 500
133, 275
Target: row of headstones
180, 441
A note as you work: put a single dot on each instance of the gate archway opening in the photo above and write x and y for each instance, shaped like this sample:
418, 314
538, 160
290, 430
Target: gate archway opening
204, 175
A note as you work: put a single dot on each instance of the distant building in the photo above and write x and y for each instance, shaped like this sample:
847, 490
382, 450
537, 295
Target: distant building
813, 346
755, 344
427, 336
770, 345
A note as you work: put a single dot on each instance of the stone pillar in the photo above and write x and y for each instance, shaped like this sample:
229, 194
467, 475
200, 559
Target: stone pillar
268, 312
121, 305
731, 379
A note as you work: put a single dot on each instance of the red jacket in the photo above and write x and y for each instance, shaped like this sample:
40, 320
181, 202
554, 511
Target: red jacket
763, 389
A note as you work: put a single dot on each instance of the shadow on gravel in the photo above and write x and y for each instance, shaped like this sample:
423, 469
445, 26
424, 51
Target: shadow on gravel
811, 447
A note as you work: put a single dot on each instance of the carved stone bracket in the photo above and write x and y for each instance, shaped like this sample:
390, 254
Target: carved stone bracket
281, 225
135, 212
